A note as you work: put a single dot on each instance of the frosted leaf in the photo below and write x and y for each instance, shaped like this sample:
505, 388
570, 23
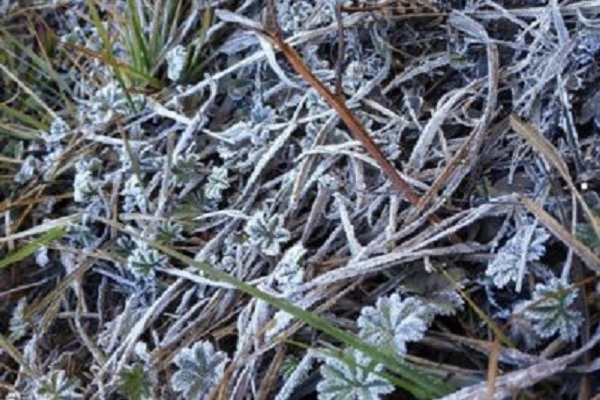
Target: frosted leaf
85, 186
200, 369
176, 60
185, 168
134, 194
281, 320
355, 380
551, 310
288, 273
41, 256
393, 322
18, 325
521, 328
354, 77
267, 234
107, 101
217, 183
169, 231
144, 260
58, 131
56, 386
504, 268
134, 383
28, 169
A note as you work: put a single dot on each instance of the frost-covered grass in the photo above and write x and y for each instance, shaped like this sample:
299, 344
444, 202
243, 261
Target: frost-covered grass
296, 199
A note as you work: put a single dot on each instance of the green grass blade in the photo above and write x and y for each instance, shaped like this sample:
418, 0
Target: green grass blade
23, 118
138, 43
109, 50
412, 379
31, 247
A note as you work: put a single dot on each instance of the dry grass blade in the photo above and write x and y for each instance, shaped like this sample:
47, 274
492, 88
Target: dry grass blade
506, 385
588, 256
543, 146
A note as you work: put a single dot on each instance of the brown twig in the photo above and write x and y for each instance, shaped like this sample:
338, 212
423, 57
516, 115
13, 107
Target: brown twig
355, 127
340, 51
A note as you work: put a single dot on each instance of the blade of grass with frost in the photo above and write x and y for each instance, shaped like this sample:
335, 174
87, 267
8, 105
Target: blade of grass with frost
137, 42
127, 69
542, 145
583, 251
51, 299
27, 90
24, 118
31, 247
109, 51
41, 64
18, 132
413, 380
14, 353
193, 62
44, 63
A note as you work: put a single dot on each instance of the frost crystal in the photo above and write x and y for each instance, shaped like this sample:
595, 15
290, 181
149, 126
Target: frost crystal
28, 168
504, 268
268, 235
134, 195
18, 326
41, 256
85, 187
184, 168
393, 322
144, 260
176, 58
169, 231
58, 130
288, 273
355, 380
56, 386
217, 183
200, 369
521, 327
551, 310
109, 100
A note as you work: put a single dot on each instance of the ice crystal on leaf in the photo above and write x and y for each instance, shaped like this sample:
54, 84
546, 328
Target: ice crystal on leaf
288, 273
85, 186
393, 322
217, 183
176, 59
185, 168
56, 386
354, 379
134, 195
521, 328
200, 369
268, 234
504, 268
106, 103
18, 325
28, 169
551, 310
41, 256
169, 232
58, 131
144, 260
